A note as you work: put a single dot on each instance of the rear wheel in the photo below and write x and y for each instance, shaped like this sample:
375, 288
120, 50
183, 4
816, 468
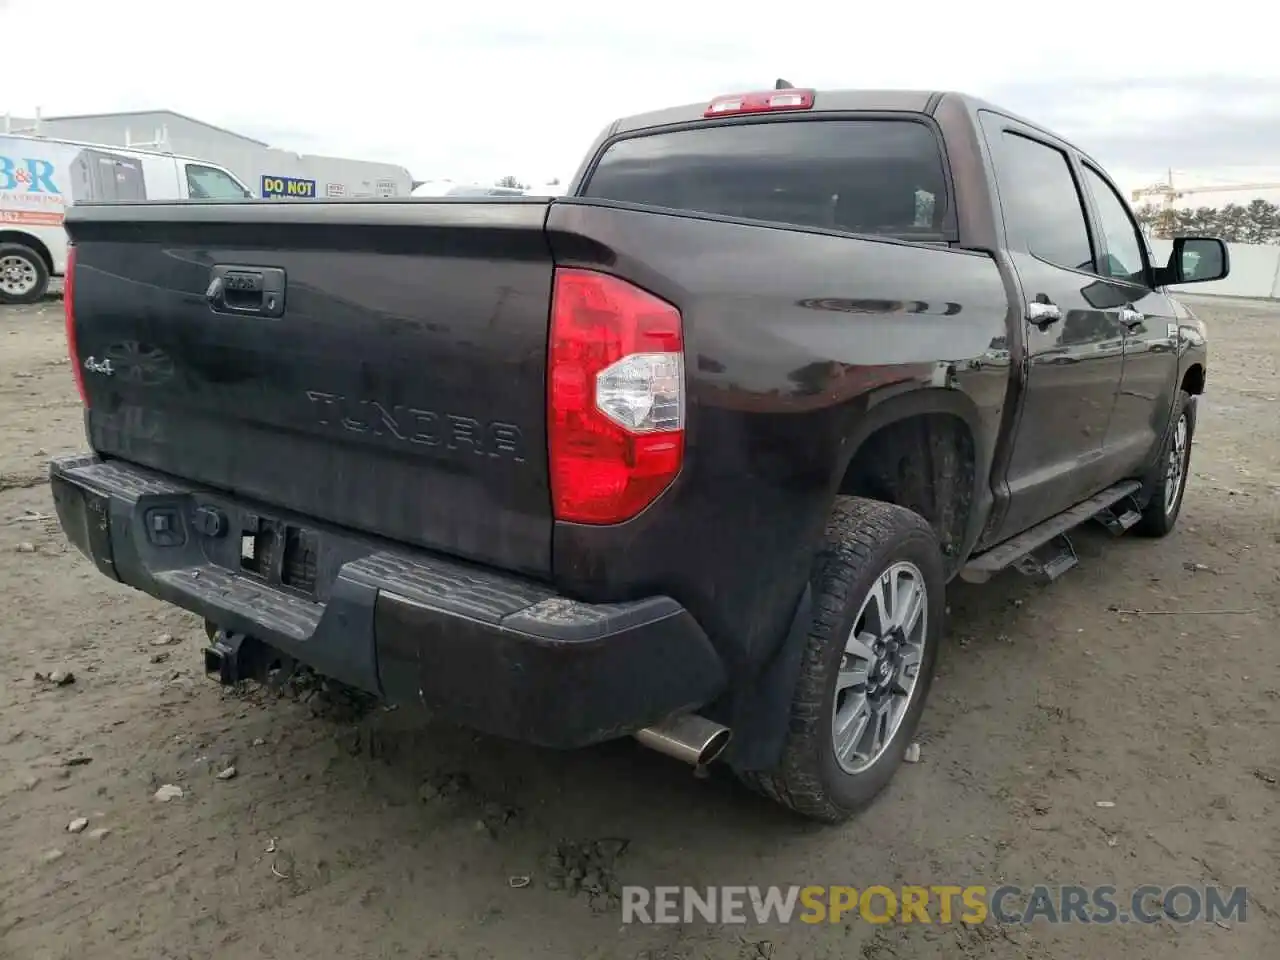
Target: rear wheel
1161, 512
878, 609
24, 278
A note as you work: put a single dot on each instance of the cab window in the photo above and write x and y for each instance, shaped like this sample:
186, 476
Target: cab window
877, 177
1043, 209
210, 183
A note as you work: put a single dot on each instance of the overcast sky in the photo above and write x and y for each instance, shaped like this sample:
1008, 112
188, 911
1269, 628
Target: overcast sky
479, 90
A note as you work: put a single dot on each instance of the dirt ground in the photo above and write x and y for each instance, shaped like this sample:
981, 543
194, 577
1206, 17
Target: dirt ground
386, 836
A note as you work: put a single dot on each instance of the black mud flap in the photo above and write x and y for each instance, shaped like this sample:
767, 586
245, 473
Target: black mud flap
761, 715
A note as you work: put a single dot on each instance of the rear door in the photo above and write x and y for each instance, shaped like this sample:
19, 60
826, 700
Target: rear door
380, 366
1145, 399
1075, 342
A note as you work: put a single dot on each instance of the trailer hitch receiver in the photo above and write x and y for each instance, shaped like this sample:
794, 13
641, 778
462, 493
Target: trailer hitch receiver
229, 656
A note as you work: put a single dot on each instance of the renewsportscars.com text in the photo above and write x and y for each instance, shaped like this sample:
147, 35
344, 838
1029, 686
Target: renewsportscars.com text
944, 904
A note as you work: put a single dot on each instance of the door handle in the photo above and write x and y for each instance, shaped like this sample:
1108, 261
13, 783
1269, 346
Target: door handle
1042, 312
1131, 317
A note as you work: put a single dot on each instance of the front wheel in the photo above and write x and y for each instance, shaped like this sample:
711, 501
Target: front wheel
24, 278
878, 609
1161, 512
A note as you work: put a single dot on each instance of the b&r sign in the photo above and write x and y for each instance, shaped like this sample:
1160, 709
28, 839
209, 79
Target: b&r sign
288, 187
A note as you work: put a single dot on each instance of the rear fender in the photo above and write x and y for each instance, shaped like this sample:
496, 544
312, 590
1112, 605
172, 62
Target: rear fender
760, 713
922, 402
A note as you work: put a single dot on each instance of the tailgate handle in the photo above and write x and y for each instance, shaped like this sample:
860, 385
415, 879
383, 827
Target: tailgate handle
247, 291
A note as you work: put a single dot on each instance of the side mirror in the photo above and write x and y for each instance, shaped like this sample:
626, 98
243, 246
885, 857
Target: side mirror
1197, 260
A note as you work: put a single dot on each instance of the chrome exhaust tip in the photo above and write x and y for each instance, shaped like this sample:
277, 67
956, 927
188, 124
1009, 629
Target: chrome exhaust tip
687, 737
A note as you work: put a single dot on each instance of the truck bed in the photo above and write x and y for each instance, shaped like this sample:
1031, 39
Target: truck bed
401, 391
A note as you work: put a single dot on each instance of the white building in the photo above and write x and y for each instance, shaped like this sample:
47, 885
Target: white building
264, 169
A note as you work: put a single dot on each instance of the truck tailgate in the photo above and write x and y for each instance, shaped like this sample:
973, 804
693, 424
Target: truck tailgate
375, 365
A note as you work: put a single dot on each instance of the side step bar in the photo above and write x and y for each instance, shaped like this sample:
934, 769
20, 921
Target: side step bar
1120, 516
1048, 561
1044, 549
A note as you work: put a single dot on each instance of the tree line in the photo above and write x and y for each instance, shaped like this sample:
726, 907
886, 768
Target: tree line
515, 184
1255, 222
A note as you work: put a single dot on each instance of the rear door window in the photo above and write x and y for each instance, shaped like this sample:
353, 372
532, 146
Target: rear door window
1043, 209
880, 177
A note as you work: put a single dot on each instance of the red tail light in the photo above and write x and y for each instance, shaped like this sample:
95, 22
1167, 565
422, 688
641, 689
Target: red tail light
69, 312
615, 397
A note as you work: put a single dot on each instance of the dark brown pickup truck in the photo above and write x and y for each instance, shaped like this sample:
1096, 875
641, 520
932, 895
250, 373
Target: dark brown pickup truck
689, 454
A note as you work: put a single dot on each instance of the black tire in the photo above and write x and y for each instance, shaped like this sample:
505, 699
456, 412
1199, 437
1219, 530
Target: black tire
1161, 512
864, 539
35, 263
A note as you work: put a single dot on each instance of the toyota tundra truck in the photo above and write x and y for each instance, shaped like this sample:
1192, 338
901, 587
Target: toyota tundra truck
688, 455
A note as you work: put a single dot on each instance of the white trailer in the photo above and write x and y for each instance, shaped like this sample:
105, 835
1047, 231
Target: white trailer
279, 174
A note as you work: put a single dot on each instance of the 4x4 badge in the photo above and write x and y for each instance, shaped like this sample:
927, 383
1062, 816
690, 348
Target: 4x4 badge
103, 367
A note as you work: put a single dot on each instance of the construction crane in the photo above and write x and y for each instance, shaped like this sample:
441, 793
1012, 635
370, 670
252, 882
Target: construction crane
1170, 193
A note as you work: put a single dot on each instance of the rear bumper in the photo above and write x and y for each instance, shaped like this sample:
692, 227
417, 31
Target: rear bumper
495, 652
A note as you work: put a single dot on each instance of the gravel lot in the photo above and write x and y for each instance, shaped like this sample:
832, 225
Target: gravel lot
381, 835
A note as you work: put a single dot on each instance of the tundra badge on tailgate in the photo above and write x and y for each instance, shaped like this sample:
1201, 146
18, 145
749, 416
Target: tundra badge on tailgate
427, 428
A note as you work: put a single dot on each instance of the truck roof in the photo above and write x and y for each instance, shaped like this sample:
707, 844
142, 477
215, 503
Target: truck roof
826, 101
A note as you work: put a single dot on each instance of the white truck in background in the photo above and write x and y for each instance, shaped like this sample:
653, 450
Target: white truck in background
451, 188
40, 177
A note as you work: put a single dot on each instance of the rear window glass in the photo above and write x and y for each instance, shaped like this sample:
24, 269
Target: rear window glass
881, 177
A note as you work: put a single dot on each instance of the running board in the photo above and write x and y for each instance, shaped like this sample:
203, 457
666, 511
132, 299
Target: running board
1060, 556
